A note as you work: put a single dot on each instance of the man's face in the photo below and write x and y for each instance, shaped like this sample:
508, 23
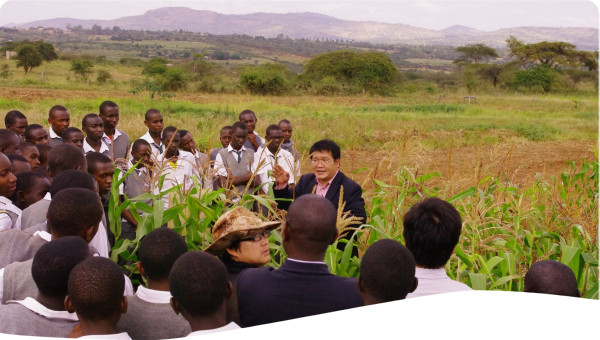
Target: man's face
144, 153
238, 138
8, 181
323, 165
171, 140
274, 139
38, 136
32, 154
155, 123
286, 130
250, 120
59, 120
75, 138
19, 126
37, 192
187, 143
93, 128
225, 137
104, 176
110, 117
13, 146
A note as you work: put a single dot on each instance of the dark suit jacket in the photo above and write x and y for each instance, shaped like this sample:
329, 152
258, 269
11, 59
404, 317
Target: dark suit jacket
352, 193
294, 290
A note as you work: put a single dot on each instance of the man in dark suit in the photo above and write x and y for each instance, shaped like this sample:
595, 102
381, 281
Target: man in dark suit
303, 285
326, 180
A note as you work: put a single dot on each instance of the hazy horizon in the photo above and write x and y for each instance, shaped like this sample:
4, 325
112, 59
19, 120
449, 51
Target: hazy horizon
435, 15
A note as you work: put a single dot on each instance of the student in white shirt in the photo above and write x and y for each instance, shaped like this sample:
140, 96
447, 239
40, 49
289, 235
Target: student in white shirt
270, 155
9, 213
253, 141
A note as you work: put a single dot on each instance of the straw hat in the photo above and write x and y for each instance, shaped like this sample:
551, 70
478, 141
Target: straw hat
236, 224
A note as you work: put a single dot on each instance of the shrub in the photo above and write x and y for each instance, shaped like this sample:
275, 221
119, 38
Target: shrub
265, 79
103, 76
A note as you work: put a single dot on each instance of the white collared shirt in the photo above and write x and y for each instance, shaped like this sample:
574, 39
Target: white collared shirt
230, 326
301, 261
220, 168
5, 220
88, 148
264, 160
156, 148
36, 307
107, 139
53, 134
435, 281
153, 295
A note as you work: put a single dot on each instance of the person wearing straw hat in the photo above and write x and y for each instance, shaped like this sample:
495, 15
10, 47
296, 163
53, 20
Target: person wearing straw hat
241, 241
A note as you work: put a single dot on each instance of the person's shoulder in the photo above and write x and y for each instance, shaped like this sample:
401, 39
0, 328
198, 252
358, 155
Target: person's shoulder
348, 182
123, 133
14, 234
254, 275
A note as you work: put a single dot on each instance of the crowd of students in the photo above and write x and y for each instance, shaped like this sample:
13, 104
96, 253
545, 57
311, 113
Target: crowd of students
56, 278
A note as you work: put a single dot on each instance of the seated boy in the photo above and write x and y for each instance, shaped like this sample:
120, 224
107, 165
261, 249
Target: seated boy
387, 272
95, 294
149, 313
200, 289
31, 153
45, 315
31, 187
9, 213
73, 135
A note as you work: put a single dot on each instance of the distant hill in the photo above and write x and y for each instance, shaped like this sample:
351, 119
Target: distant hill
313, 26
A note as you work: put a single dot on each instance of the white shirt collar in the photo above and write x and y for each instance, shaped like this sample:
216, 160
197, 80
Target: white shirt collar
88, 148
230, 326
9, 205
36, 307
44, 235
300, 261
152, 295
230, 149
47, 196
130, 165
149, 138
107, 139
53, 134
430, 273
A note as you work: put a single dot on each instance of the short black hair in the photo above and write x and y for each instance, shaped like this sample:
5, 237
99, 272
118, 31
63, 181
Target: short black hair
105, 105
271, 128
54, 261
12, 116
73, 210
63, 157
96, 288
227, 127
139, 142
551, 277
151, 112
245, 112
95, 158
70, 130
198, 282
239, 125
182, 133
88, 117
284, 121
6, 137
169, 129
14, 157
326, 145
387, 270
159, 250
44, 150
26, 180
72, 179
30, 128
56, 108
25, 145
431, 231
313, 220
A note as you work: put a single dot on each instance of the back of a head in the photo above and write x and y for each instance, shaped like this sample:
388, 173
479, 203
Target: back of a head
198, 282
96, 288
74, 210
431, 231
72, 179
312, 219
65, 156
159, 250
551, 277
54, 261
27, 179
387, 271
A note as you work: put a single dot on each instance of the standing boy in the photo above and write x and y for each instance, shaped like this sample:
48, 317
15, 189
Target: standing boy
31, 154
225, 139
117, 140
270, 155
93, 127
16, 121
9, 213
59, 120
288, 144
153, 120
253, 140
36, 134
73, 135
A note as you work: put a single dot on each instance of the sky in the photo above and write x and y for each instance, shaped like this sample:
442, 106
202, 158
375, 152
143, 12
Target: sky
486, 15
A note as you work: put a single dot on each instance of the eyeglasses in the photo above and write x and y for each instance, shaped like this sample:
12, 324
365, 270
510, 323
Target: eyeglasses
324, 161
258, 236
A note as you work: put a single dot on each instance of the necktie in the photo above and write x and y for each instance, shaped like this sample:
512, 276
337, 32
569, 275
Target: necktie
159, 147
239, 154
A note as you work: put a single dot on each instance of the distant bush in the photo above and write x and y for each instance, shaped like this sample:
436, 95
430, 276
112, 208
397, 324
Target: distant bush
535, 78
103, 76
265, 79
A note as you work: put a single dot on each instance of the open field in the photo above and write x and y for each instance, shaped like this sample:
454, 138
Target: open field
502, 161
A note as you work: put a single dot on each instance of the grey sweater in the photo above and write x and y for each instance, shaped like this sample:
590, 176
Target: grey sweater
18, 245
20, 320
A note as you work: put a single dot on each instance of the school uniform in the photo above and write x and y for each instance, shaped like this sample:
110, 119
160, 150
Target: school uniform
234, 162
248, 144
53, 138
118, 144
29, 317
264, 161
18, 245
228, 327
9, 214
150, 316
157, 149
289, 147
104, 149
176, 173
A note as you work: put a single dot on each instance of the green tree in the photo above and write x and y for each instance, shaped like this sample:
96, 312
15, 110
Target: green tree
46, 50
540, 76
82, 67
265, 79
555, 54
475, 53
28, 57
